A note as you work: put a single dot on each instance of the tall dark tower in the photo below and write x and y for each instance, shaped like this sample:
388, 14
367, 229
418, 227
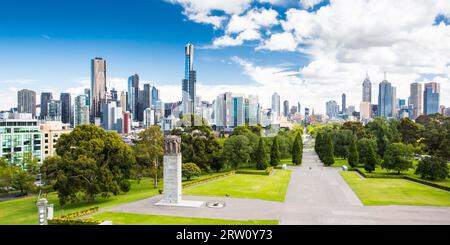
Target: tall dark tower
189, 81
344, 103
66, 107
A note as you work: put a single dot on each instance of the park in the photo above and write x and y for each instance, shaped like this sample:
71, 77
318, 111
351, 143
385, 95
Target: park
308, 191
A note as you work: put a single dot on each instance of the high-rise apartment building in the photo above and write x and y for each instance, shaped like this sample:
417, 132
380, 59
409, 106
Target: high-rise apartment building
189, 81
98, 90
133, 95
51, 131
26, 102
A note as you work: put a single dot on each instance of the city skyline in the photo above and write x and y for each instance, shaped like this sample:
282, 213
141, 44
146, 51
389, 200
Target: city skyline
294, 73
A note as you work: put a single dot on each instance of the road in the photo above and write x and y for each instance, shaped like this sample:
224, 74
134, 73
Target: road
316, 195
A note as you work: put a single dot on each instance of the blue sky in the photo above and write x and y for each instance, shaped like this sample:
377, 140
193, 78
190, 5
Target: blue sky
47, 46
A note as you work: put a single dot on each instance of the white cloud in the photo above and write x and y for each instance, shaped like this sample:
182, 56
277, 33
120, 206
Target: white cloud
200, 11
280, 42
309, 3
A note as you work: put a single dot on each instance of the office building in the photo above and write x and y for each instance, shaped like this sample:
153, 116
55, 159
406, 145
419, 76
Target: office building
416, 100
386, 99
66, 108
344, 104
286, 108
367, 90
81, 110
110, 115
46, 97
431, 95
332, 109
20, 137
26, 102
276, 105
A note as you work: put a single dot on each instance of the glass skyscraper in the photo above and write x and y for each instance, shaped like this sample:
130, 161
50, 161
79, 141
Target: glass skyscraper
431, 98
98, 87
385, 99
189, 81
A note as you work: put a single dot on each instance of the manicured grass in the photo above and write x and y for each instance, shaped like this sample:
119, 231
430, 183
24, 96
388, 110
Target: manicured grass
287, 161
395, 191
272, 187
23, 211
145, 219
383, 173
339, 162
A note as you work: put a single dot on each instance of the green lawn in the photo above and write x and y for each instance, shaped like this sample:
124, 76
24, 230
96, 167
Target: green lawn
146, 219
395, 191
339, 162
272, 187
23, 211
287, 161
379, 172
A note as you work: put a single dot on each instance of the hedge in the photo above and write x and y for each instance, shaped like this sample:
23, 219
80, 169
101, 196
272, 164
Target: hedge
255, 172
71, 219
198, 181
417, 180
81, 213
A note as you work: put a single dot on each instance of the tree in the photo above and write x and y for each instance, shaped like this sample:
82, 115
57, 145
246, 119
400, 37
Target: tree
327, 151
356, 127
433, 168
90, 161
261, 155
364, 147
409, 131
237, 150
398, 157
190, 169
371, 158
149, 150
382, 131
341, 142
297, 150
275, 152
353, 157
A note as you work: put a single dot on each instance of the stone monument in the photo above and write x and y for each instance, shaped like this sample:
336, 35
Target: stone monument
172, 175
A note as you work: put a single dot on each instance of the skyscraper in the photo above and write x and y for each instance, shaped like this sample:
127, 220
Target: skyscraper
431, 98
367, 90
81, 111
66, 107
385, 99
133, 95
26, 102
54, 110
98, 87
155, 96
189, 81
416, 100
286, 108
147, 96
332, 109
276, 105
344, 103
45, 99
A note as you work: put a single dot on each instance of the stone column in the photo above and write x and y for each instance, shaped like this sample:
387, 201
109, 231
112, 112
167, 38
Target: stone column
172, 170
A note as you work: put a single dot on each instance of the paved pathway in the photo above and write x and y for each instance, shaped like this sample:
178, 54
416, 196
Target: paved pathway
316, 195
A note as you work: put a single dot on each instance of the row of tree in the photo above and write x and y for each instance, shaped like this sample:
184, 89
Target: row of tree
393, 143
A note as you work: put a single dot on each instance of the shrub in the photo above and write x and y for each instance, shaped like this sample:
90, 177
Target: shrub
197, 181
68, 221
353, 157
432, 168
80, 213
268, 170
190, 169
125, 185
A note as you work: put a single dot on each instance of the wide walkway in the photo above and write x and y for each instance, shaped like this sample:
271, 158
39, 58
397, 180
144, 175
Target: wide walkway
316, 195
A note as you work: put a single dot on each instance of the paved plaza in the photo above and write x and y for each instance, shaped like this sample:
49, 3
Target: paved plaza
316, 195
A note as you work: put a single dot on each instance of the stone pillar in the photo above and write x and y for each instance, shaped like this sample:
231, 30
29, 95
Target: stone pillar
172, 170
